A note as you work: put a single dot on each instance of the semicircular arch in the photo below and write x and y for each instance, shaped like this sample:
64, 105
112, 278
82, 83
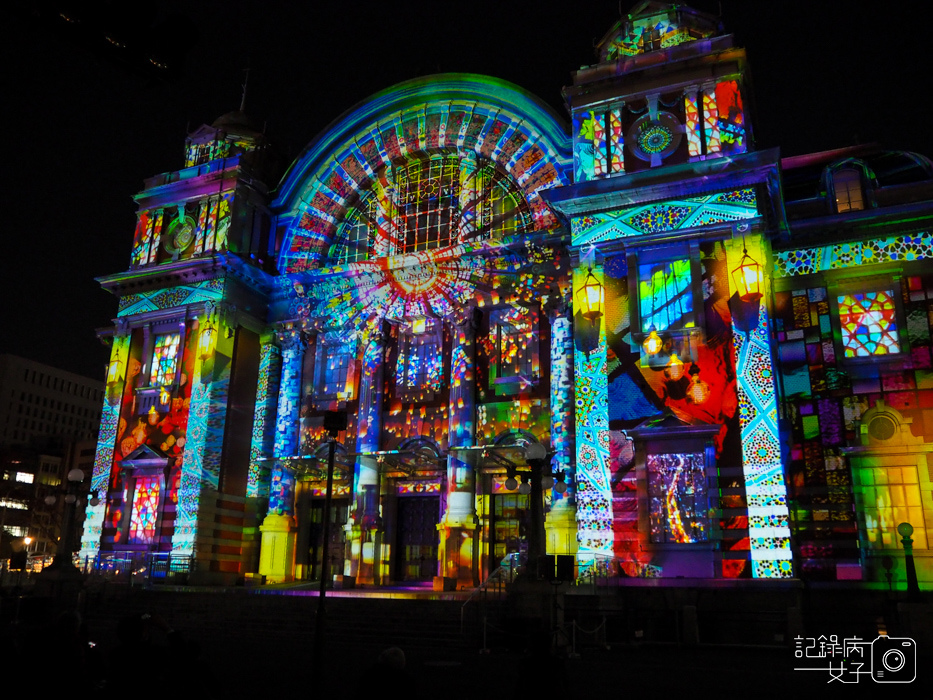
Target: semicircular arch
440, 114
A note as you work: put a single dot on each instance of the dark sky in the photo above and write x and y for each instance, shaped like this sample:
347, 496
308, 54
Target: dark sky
83, 127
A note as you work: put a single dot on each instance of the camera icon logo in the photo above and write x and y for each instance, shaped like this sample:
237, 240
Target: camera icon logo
893, 660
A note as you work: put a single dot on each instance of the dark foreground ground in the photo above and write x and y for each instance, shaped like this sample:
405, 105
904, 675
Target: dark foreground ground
239, 644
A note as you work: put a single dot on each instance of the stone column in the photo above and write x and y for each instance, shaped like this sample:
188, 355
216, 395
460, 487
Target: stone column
365, 530
561, 522
277, 552
458, 542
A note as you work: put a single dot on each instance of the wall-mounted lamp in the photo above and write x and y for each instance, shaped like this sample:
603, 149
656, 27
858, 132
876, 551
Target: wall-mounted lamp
591, 298
747, 278
115, 371
206, 340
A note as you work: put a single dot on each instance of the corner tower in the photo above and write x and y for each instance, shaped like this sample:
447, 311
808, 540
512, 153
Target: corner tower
173, 452
678, 458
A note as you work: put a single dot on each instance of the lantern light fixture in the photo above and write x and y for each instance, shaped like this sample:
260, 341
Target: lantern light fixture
747, 278
591, 297
206, 340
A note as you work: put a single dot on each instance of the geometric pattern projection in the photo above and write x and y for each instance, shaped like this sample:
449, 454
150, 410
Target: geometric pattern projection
182, 295
868, 322
807, 261
768, 526
661, 217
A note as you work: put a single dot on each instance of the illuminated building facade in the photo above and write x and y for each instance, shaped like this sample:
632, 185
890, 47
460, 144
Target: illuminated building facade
467, 280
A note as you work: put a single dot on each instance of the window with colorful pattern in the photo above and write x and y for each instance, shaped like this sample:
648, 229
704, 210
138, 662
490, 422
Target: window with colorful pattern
164, 359
420, 366
868, 321
665, 295
145, 511
334, 372
514, 365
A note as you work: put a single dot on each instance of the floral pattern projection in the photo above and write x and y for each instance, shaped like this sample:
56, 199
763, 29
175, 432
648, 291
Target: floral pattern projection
827, 389
181, 232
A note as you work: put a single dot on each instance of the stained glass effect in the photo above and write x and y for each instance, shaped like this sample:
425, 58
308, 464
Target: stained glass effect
145, 512
678, 497
420, 366
665, 295
869, 323
164, 359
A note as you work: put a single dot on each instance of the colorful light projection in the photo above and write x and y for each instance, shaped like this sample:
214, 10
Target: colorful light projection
826, 398
427, 284
593, 490
420, 119
419, 369
164, 359
890, 495
512, 350
869, 324
598, 144
678, 499
167, 234
263, 438
211, 290
517, 415
653, 32
662, 217
106, 444
807, 261
665, 295
200, 467
333, 378
144, 514
766, 492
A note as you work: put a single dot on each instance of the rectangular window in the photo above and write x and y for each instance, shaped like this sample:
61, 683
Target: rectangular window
334, 370
164, 359
514, 363
847, 185
420, 366
144, 515
665, 295
677, 493
869, 323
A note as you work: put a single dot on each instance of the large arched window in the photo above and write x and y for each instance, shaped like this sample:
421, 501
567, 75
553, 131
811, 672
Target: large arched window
427, 203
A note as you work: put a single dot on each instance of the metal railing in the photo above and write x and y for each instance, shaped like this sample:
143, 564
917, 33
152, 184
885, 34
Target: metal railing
141, 568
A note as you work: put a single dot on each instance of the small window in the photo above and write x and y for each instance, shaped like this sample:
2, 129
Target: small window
164, 359
869, 325
847, 187
665, 295
145, 511
420, 367
334, 372
514, 365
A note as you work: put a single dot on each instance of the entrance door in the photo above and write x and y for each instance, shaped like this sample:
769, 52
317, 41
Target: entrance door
416, 558
336, 548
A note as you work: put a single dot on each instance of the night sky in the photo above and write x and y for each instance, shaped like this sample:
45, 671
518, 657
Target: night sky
85, 125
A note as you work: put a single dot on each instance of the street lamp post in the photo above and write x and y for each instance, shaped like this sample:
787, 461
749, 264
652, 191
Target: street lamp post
65, 551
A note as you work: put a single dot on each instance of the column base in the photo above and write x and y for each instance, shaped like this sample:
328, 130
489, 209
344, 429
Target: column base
560, 527
277, 551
